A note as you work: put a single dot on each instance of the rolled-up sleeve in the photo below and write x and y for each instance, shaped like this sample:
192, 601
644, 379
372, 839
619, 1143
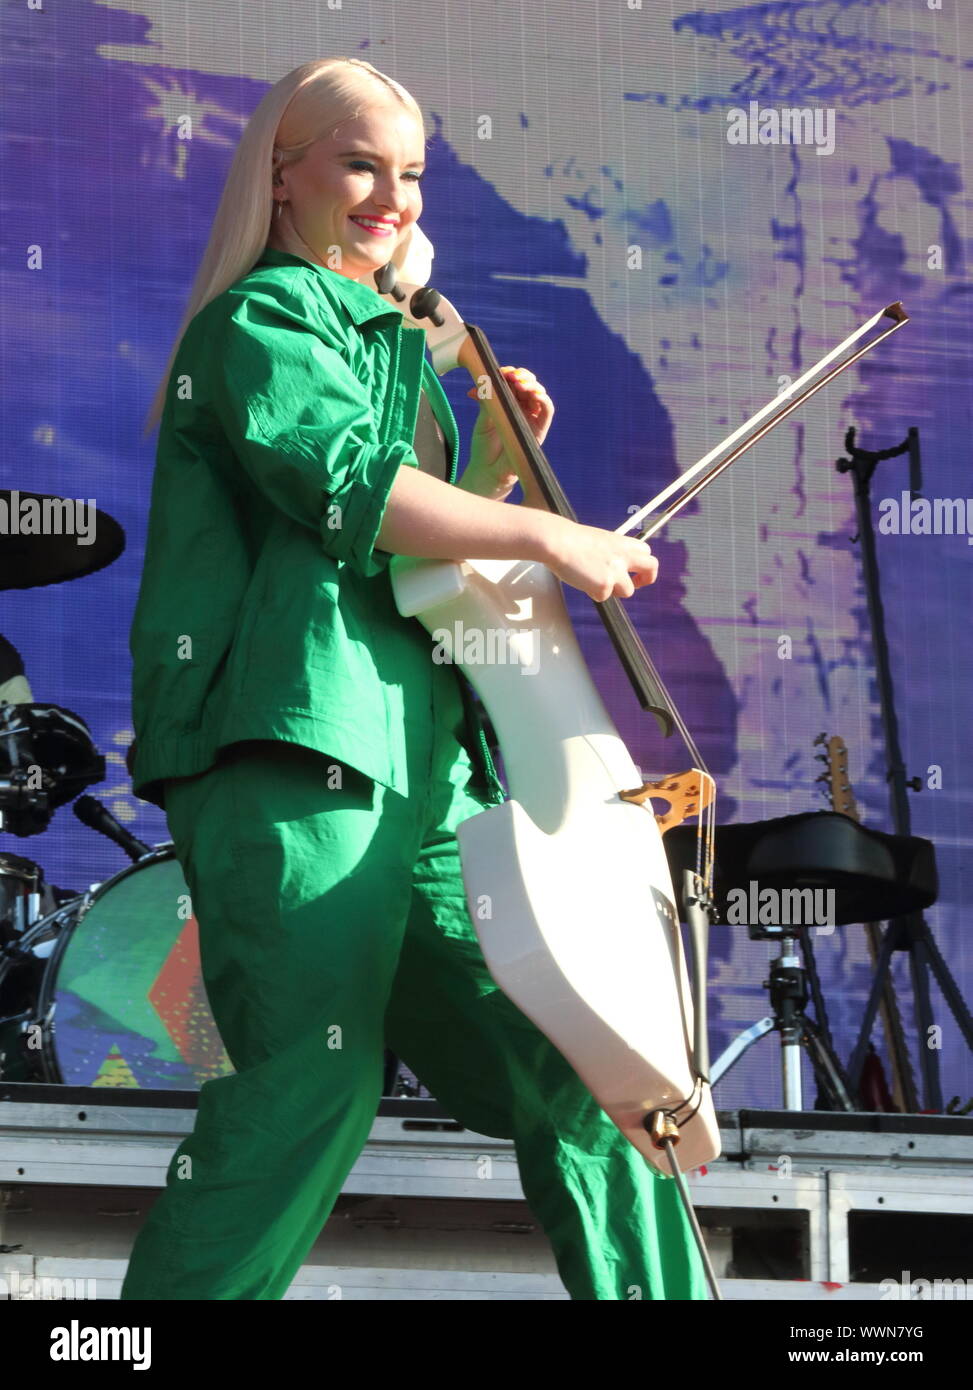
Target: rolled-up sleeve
303, 427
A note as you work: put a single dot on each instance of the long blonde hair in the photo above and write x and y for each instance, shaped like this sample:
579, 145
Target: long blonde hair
302, 107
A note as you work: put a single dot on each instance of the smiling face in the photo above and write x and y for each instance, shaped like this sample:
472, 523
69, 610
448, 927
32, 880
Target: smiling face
357, 189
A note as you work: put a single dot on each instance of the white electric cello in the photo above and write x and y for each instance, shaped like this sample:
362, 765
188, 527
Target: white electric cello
567, 881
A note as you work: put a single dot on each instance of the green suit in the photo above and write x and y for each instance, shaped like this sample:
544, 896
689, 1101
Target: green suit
314, 765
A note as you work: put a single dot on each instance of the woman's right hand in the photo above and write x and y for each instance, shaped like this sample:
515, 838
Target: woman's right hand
435, 520
602, 564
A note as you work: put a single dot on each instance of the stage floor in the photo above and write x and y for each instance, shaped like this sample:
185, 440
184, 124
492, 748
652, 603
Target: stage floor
800, 1205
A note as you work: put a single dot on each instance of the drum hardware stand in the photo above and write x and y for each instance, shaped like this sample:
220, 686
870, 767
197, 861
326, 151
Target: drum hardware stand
791, 984
33, 1052
15, 794
909, 933
18, 948
14, 950
23, 909
17, 797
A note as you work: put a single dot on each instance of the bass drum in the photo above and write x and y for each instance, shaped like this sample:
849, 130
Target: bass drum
108, 989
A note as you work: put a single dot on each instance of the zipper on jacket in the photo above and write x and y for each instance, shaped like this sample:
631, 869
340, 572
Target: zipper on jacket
474, 724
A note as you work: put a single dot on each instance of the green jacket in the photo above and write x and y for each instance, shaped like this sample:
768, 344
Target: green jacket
264, 611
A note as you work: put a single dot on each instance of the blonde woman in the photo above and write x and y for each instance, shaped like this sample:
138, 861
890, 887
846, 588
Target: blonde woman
312, 759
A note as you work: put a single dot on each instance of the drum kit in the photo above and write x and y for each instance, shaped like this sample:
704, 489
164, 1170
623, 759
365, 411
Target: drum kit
101, 987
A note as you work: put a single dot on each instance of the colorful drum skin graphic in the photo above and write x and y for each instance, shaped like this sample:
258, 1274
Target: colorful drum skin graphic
121, 967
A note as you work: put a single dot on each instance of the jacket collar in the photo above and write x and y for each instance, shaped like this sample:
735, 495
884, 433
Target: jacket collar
362, 302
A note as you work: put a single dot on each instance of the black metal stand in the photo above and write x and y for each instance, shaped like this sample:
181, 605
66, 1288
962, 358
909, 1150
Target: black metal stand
790, 984
910, 933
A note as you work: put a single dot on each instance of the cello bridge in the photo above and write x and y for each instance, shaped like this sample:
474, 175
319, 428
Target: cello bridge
688, 793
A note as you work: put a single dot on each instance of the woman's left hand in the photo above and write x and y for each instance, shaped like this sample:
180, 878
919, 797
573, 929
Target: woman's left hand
490, 472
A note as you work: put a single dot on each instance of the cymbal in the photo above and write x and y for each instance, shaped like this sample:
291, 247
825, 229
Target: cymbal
47, 540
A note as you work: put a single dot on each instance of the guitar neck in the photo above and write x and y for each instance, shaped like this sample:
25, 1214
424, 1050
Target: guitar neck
904, 1090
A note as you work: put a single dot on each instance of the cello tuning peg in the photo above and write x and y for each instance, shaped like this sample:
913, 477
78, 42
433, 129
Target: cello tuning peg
386, 282
424, 304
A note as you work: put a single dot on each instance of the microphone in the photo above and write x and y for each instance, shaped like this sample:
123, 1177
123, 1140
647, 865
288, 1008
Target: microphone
95, 816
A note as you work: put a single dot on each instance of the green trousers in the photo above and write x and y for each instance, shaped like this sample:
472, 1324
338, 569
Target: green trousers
332, 923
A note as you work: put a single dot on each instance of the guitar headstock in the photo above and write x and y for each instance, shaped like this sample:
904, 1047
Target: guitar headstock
835, 776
